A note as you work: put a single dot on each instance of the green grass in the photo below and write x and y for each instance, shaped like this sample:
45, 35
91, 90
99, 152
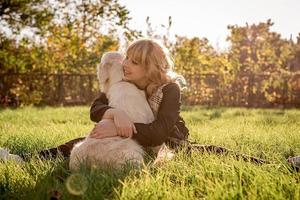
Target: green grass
271, 134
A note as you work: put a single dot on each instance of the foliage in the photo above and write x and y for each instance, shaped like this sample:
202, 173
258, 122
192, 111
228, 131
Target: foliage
70, 37
202, 66
259, 63
71, 40
16, 15
75, 37
256, 50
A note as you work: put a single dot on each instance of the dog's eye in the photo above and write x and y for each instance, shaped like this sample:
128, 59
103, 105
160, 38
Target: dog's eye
134, 62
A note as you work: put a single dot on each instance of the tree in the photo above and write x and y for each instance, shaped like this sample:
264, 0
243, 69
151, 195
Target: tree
75, 33
207, 71
257, 50
72, 37
16, 15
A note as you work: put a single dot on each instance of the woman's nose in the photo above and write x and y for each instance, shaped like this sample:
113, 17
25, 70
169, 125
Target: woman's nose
124, 64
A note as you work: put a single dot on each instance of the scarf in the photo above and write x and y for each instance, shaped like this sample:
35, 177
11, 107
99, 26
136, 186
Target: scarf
155, 99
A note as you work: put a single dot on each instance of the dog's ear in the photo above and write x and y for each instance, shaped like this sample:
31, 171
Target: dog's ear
103, 73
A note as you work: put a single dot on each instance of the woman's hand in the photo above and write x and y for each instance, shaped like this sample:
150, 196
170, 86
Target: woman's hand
125, 127
104, 128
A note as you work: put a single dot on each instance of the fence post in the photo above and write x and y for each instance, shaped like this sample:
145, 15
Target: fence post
250, 102
61, 90
90, 87
218, 90
285, 96
82, 91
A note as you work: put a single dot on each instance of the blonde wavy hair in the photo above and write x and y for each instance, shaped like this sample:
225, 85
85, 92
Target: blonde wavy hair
155, 58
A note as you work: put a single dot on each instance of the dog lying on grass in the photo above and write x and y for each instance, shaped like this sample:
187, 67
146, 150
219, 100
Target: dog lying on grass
114, 152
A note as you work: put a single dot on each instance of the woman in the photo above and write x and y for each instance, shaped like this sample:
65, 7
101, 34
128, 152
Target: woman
147, 65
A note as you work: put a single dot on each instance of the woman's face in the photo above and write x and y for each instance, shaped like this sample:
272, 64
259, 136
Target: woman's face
134, 72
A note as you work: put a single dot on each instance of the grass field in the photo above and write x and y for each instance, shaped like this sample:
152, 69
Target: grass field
271, 134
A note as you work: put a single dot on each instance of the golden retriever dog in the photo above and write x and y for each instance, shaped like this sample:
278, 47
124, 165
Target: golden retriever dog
114, 152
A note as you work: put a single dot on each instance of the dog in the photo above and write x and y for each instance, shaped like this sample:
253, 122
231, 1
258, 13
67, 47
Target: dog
114, 152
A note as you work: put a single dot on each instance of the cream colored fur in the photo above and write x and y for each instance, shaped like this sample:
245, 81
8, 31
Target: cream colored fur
114, 151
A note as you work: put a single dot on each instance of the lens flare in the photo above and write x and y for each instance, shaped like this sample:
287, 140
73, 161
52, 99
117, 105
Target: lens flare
76, 184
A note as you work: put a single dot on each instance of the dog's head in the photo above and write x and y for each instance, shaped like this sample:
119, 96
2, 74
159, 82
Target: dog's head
110, 70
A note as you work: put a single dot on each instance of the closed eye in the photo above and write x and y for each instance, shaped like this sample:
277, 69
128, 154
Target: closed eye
132, 61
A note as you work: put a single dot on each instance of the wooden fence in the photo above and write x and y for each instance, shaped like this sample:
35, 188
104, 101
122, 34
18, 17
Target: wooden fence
247, 90
47, 89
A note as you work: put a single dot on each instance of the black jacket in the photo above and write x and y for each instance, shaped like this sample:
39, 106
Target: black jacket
167, 124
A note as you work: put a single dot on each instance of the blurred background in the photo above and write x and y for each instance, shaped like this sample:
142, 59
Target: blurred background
232, 53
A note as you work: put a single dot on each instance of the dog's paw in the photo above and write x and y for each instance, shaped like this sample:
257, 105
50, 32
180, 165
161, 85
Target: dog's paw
164, 155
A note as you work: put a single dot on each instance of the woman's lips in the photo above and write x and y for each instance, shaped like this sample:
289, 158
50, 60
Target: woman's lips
126, 73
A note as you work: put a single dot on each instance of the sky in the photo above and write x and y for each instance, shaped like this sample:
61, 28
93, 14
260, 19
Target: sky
209, 18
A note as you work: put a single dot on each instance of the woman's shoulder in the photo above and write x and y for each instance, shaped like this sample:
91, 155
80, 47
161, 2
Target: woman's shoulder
170, 93
166, 94
171, 88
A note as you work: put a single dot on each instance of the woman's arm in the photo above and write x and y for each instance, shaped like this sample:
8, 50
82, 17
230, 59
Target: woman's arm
157, 132
99, 108
100, 111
